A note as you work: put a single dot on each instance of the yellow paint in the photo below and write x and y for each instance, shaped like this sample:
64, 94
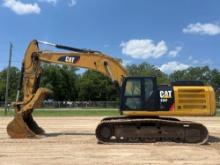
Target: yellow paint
189, 101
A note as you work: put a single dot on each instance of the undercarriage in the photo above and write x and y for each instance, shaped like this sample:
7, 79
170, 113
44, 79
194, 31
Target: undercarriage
150, 129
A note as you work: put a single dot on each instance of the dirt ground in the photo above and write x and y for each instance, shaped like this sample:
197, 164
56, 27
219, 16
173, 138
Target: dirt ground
72, 141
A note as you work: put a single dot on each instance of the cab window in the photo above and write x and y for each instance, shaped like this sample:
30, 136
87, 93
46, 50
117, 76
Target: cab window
133, 94
148, 86
133, 88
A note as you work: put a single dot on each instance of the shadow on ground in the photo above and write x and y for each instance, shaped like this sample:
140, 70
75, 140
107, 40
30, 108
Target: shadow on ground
213, 139
67, 133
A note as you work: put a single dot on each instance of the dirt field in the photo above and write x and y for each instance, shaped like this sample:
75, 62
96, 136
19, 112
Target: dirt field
72, 141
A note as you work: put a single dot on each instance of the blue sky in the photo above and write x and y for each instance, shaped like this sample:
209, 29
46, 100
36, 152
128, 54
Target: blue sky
171, 34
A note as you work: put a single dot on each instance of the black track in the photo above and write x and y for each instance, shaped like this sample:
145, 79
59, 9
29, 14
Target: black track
152, 129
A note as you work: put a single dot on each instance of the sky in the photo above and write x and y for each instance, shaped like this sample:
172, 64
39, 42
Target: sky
171, 34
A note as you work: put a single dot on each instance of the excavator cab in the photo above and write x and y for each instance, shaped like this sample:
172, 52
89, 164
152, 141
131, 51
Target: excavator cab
142, 96
139, 93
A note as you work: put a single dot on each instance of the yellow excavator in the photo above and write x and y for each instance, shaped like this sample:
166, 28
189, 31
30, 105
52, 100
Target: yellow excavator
145, 107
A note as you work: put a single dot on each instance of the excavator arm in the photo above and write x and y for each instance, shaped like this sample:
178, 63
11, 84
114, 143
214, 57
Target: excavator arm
23, 124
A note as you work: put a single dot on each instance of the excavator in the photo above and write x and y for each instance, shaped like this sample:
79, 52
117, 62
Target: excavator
146, 108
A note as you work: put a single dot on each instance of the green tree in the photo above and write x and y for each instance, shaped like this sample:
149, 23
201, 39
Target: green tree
215, 81
205, 74
145, 69
193, 73
13, 83
96, 87
61, 80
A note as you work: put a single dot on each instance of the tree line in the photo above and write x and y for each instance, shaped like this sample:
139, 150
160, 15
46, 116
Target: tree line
67, 85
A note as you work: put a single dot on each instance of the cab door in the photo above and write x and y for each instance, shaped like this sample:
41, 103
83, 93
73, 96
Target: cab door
139, 93
151, 94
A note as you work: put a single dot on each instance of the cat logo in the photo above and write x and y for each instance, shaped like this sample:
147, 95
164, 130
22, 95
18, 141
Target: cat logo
165, 94
70, 59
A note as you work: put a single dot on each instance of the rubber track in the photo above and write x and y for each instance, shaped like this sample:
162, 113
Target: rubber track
159, 124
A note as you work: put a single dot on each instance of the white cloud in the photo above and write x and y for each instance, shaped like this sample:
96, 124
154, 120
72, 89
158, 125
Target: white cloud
144, 48
197, 62
72, 3
21, 8
175, 52
53, 2
173, 66
203, 29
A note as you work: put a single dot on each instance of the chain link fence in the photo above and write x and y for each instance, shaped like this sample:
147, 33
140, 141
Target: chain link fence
76, 104
80, 104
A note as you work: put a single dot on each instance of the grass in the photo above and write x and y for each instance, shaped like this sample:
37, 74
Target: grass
73, 112
76, 113
218, 113
69, 112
